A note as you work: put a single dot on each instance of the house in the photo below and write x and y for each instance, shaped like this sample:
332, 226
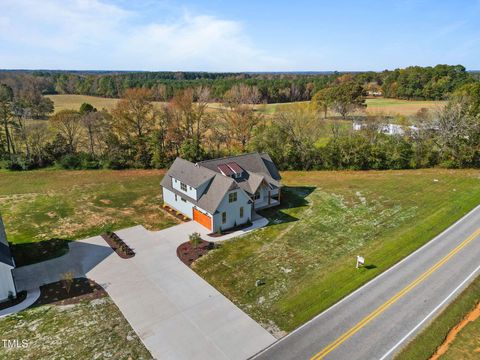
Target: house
7, 286
222, 193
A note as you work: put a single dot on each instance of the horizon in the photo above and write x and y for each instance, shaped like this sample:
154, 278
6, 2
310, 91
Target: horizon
210, 36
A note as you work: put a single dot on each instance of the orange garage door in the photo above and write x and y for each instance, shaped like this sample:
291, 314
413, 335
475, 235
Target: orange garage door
202, 219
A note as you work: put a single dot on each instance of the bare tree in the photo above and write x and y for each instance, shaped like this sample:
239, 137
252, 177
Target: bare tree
68, 124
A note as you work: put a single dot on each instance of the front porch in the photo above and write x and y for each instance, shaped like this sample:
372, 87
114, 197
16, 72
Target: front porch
265, 204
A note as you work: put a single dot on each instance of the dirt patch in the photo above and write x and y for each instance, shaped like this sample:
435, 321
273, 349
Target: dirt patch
81, 289
188, 253
472, 316
105, 201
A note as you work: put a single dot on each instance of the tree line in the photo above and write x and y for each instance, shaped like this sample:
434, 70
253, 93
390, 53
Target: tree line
140, 134
421, 83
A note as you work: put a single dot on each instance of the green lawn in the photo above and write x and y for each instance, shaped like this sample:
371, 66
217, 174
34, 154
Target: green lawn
466, 344
306, 256
67, 205
92, 329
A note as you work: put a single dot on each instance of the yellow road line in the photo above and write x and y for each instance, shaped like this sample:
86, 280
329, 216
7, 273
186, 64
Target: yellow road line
388, 303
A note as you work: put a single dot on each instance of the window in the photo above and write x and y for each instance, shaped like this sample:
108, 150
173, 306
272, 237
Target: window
183, 187
183, 199
241, 212
256, 196
232, 197
176, 197
224, 217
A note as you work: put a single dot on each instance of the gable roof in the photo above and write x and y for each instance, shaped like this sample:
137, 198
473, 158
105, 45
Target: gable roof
194, 176
189, 173
255, 162
5, 255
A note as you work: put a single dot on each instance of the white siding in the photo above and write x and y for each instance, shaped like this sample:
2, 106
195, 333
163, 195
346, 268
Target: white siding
6, 282
263, 191
191, 192
184, 207
233, 211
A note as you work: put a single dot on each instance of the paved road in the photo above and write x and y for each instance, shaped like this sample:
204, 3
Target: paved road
375, 321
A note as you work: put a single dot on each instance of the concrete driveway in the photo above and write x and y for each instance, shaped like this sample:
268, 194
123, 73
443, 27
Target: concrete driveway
175, 312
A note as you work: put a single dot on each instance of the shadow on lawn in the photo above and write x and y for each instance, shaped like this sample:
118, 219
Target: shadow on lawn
31, 253
291, 197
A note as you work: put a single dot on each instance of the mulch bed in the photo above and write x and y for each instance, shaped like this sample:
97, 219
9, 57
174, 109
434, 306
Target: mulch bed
9, 303
231, 230
188, 253
175, 213
118, 245
81, 289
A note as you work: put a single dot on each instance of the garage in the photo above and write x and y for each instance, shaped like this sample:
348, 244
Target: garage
202, 219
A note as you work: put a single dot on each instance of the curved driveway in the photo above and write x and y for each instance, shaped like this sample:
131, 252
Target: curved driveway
175, 312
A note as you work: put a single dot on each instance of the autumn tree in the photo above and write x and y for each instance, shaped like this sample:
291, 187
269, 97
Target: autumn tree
6, 100
240, 115
68, 124
134, 117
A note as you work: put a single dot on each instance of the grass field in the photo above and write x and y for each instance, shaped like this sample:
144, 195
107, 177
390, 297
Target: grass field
93, 329
466, 344
44, 204
374, 106
306, 256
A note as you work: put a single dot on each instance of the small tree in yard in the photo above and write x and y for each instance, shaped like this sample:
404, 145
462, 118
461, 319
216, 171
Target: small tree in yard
195, 239
67, 281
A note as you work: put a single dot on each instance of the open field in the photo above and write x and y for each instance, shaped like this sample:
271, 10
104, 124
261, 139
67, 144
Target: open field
45, 204
374, 106
466, 344
400, 107
93, 329
306, 256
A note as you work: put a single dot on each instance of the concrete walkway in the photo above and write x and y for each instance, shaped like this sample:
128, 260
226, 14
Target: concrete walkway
175, 312
32, 296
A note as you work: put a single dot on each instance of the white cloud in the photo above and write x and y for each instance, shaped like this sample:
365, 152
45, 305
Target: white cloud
91, 34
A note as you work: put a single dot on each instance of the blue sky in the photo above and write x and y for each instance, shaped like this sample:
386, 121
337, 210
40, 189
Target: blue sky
245, 35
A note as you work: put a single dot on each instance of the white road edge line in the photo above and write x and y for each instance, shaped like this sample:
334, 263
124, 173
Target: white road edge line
430, 314
368, 283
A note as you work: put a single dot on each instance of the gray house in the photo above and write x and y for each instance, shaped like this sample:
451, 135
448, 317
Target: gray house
222, 193
7, 286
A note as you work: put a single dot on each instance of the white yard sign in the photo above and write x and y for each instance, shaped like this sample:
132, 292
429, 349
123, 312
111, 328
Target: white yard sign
360, 261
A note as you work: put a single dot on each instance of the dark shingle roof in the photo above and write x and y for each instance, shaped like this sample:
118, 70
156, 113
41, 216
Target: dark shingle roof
5, 255
194, 176
258, 167
255, 162
189, 173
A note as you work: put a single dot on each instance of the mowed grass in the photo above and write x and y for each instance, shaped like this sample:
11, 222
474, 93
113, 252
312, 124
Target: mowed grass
92, 329
401, 107
306, 256
466, 344
44, 204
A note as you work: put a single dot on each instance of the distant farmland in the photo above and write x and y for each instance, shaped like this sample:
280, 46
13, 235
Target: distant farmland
374, 106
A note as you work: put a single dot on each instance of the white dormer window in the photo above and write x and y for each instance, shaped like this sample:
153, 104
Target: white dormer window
183, 187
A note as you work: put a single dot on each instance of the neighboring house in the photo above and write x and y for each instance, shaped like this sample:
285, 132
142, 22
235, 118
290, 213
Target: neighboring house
388, 129
222, 193
7, 286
